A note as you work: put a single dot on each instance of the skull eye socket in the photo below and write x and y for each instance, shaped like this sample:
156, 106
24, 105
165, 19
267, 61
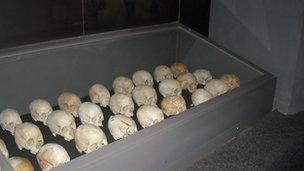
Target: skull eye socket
30, 142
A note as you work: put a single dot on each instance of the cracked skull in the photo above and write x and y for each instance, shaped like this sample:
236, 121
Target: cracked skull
62, 123
89, 138
9, 119
178, 68
144, 95
29, 137
216, 87
169, 87
231, 80
100, 94
52, 155
20, 164
202, 76
122, 104
162, 72
187, 81
3, 148
90, 113
142, 77
200, 96
149, 115
173, 105
123, 85
40, 110
69, 102
121, 126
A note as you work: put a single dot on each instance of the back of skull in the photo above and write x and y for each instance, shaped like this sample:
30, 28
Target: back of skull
20, 164
202, 76
121, 126
9, 119
142, 77
62, 123
89, 138
69, 102
3, 148
216, 87
28, 136
40, 110
149, 115
200, 96
144, 95
122, 104
188, 81
162, 72
99, 94
90, 113
170, 87
123, 85
178, 68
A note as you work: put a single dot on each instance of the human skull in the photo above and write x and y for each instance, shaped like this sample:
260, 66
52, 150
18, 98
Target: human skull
169, 87
216, 87
200, 96
122, 104
202, 76
62, 123
187, 81
142, 77
173, 105
178, 68
123, 85
231, 80
90, 113
100, 94
40, 110
162, 72
149, 115
20, 164
9, 119
69, 102
89, 137
3, 148
121, 126
52, 155
29, 137
144, 95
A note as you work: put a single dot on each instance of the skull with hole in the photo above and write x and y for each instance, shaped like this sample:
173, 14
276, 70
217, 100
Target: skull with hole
143, 95
90, 113
3, 148
149, 115
202, 76
9, 119
100, 94
121, 126
142, 77
20, 164
216, 87
173, 105
162, 72
40, 110
200, 96
123, 85
62, 123
69, 102
178, 68
187, 81
231, 80
52, 155
89, 137
170, 87
29, 137
122, 104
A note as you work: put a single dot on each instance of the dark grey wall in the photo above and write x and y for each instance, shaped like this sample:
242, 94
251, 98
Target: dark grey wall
269, 33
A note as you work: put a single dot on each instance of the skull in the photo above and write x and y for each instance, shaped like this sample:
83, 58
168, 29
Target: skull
20, 164
149, 115
121, 126
69, 102
52, 155
173, 105
178, 68
144, 95
9, 119
62, 123
200, 96
40, 110
142, 77
122, 104
29, 137
202, 76
3, 148
216, 87
162, 72
188, 81
90, 113
123, 85
169, 87
100, 94
89, 138
231, 80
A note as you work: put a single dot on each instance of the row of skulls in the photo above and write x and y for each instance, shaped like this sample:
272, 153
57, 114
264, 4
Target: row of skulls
88, 136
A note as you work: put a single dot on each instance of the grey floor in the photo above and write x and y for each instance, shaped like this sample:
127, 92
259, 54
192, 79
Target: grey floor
276, 142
